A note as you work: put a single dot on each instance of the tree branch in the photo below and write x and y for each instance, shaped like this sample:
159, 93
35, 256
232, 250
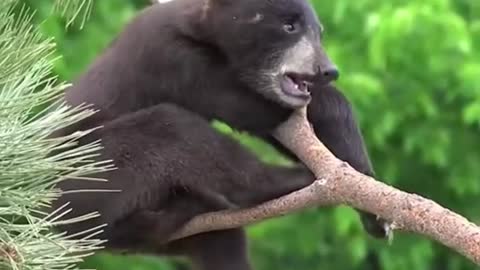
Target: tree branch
340, 184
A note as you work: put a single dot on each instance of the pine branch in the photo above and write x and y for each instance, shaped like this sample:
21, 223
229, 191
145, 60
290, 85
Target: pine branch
340, 184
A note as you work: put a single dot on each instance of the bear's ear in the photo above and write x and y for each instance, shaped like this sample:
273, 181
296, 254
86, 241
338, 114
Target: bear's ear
206, 1
216, 1
159, 1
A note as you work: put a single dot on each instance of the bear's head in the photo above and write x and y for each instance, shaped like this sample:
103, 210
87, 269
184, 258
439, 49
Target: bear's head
273, 45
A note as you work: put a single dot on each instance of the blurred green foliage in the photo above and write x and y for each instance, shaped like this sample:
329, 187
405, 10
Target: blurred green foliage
412, 71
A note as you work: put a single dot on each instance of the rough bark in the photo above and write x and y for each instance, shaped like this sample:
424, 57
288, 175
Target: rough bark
339, 184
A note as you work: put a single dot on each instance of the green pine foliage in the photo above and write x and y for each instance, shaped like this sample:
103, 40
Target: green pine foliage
30, 112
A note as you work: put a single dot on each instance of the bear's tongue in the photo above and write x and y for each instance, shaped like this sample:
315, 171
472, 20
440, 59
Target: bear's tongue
293, 87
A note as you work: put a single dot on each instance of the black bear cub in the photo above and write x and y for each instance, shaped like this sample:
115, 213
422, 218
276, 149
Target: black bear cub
174, 68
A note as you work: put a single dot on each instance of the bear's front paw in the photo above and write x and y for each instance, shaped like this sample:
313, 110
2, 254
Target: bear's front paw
375, 226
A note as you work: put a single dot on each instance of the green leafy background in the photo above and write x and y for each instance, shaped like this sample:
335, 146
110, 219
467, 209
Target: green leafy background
412, 71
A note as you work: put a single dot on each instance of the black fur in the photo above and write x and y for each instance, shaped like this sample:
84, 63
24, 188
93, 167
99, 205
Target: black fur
172, 70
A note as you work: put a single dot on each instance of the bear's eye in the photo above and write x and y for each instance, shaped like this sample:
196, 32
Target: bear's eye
291, 26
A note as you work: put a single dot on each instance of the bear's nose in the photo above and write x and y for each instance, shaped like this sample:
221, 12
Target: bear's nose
330, 74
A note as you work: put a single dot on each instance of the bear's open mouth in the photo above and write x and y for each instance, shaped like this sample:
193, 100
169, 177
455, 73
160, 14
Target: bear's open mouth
296, 85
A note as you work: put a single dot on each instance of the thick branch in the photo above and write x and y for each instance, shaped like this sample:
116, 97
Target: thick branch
340, 184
